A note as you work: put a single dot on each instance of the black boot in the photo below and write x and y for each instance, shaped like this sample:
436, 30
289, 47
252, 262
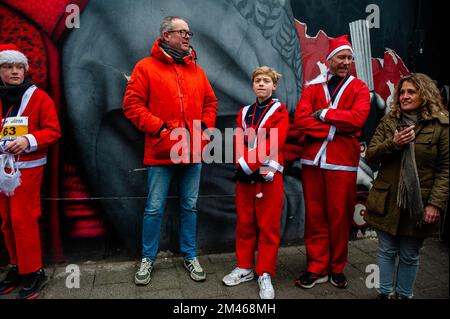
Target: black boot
11, 281
33, 284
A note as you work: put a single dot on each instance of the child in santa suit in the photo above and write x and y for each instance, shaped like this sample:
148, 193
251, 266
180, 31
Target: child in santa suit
331, 112
261, 133
29, 125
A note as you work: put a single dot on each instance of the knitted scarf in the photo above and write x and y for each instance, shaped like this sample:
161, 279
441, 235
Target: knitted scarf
12, 95
409, 196
176, 55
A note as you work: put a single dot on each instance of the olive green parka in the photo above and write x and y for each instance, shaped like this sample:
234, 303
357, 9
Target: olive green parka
432, 159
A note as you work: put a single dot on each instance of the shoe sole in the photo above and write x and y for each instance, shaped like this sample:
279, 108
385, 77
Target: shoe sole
7, 291
260, 296
33, 296
38, 293
241, 280
193, 276
142, 282
318, 281
337, 285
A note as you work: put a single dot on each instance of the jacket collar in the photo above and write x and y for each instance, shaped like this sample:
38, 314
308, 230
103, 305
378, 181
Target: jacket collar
322, 78
158, 53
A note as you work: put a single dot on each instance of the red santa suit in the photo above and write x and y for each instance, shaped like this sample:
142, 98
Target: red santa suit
259, 202
329, 167
20, 212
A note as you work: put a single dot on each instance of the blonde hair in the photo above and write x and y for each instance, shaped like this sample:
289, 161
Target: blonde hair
265, 70
428, 92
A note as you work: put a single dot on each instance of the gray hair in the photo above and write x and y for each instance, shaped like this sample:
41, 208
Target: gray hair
166, 24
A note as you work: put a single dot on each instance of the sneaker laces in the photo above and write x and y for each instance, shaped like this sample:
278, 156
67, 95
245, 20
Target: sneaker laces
236, 272
145, 266
30, 279
242, 271
265, 281
196, 265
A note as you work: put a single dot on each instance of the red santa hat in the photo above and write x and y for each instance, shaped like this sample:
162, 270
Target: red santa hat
10, 53
337, 45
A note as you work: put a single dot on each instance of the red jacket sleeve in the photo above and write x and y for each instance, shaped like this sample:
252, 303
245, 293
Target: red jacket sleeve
135, 103
49, 130
209, 111
304, 121
353, 119
278, 129
239, 147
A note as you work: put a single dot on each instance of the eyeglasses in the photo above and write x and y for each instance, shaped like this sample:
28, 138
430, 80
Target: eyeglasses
183, 33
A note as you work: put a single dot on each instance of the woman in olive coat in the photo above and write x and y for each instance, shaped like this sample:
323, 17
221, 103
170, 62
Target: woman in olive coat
409, 195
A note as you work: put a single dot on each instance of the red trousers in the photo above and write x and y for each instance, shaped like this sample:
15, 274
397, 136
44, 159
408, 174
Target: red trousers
20, 226
329, 199
258, 224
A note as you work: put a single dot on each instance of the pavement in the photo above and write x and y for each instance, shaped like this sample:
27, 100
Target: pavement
110, 279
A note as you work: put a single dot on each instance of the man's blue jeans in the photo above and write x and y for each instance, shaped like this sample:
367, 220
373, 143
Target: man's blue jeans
159, 178
407, 250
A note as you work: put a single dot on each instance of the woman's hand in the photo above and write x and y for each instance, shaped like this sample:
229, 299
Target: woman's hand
404, 137
431, 214
18, 146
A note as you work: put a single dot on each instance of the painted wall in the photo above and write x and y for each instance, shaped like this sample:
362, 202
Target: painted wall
86, 69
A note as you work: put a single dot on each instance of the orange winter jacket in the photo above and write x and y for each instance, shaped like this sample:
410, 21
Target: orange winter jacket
162, 92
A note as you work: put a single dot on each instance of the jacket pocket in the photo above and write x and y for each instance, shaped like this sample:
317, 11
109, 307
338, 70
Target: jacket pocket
425, 136
377, 198
163, 146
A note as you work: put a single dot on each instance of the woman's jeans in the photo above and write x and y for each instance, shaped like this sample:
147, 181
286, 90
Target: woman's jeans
407, 250
159, 178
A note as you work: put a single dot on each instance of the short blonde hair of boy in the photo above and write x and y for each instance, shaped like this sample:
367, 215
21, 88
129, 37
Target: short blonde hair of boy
265, 70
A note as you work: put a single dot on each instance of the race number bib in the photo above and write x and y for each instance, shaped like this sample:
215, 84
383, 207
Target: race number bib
14, 127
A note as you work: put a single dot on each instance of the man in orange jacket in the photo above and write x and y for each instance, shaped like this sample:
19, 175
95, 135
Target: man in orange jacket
331, 112
169, 93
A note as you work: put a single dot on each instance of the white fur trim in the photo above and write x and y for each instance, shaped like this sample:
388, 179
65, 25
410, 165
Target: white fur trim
33, 143
31, 164
342, 47
276, 165
321, 78
323, 114
26, 98
244, 166
12, 56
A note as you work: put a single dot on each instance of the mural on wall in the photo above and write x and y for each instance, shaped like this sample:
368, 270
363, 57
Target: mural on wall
86, 70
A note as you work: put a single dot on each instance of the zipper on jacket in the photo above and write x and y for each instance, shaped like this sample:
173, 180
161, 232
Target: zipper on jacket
180, 95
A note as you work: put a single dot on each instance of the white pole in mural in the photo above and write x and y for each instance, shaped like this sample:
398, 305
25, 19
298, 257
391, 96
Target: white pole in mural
359, 32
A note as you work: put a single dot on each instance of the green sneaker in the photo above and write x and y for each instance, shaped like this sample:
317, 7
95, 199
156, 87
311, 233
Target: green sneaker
142, 276
196, 271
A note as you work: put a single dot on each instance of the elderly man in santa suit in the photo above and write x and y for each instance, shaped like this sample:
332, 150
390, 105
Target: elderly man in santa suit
331, 112
29, 125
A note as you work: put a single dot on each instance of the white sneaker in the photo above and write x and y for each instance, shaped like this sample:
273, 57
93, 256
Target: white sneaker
143, 275
237, 276
266, 290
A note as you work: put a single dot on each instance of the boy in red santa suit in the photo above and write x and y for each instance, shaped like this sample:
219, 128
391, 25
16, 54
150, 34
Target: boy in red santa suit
331, 112
29, 125
261, 133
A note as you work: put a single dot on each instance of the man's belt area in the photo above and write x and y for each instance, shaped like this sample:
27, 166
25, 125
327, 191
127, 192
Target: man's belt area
310, 139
